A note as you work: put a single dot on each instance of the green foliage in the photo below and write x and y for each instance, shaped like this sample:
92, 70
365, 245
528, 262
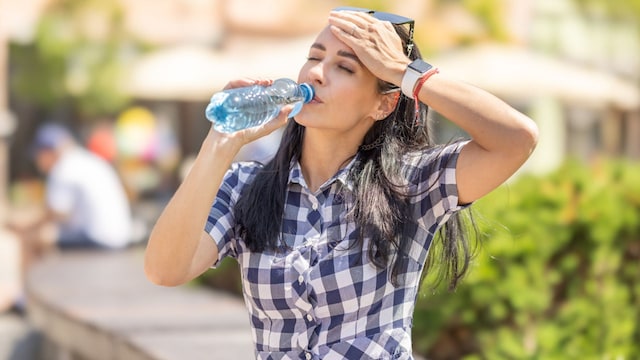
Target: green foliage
78, 57
558, 276
225, 277
491, 13
628, 9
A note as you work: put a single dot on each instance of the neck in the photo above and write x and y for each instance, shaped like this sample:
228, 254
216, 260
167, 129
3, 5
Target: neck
321, 159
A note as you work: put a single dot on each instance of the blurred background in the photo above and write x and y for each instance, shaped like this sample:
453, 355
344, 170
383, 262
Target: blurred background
558, 273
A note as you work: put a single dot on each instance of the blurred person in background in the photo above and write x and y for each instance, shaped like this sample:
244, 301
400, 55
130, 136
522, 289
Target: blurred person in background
333, 234
86, 206
85, 198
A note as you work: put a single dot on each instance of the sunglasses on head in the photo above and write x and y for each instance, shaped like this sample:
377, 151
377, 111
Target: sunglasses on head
384, 16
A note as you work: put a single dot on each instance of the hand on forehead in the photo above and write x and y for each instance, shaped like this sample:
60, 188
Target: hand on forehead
345, 20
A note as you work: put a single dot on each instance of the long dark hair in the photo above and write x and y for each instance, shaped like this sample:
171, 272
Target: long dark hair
381, 210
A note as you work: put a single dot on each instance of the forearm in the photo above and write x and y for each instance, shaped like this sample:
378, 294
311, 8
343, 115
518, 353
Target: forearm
174, 239
492, 124
502, 138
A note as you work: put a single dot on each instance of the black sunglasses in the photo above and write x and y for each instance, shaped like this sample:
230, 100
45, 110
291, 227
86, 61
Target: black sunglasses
384, 16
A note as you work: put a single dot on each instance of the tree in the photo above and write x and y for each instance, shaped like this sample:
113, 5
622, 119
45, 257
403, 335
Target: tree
76, 60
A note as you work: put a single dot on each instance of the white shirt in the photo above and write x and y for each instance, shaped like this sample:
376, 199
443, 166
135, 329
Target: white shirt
87, 190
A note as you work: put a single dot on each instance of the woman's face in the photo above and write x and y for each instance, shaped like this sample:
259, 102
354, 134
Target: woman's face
347, 96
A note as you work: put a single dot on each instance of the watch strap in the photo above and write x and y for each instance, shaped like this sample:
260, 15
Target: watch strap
414, 71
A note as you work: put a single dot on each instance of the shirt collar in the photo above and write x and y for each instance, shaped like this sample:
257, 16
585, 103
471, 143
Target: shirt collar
295, 175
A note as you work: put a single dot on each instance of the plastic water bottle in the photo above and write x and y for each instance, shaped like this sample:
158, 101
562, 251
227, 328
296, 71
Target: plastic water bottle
236, 109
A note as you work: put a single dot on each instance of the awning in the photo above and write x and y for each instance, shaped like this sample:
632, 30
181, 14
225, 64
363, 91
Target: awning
194, 72
518, 73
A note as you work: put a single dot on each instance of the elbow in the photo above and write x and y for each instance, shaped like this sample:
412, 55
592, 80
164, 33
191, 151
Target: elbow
160, 275
532, 135
528, 134
160, 279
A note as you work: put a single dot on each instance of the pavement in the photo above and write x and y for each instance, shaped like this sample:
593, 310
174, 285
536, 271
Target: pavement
100, 305
18, 340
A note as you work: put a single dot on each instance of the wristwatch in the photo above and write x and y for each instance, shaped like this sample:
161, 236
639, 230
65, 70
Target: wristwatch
414, 71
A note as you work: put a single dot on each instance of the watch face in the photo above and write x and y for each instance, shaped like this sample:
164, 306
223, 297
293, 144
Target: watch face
420, 66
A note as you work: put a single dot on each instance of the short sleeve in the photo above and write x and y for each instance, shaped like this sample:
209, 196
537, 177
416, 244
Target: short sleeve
221, 224
434, 183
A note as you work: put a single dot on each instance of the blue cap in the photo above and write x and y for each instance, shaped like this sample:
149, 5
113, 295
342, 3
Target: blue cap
50, 136
308, 92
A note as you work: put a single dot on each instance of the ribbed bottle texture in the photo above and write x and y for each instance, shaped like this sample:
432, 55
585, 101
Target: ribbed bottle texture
236, 109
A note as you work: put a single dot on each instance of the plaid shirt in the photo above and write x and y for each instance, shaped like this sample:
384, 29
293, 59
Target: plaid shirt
322, 297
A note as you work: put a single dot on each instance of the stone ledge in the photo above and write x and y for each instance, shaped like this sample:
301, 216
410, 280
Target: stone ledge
99, 305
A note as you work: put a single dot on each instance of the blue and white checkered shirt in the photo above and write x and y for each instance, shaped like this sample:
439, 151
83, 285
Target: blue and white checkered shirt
323, 298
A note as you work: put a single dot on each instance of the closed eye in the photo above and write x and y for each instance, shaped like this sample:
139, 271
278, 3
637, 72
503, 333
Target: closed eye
342, 67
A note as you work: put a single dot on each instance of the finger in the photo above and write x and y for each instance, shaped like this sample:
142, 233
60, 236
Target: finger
343, 28
243, 82
349, 22
281, 119
344, 35
361, 19
270, 126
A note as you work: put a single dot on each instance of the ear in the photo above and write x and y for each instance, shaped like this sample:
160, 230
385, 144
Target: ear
388, 103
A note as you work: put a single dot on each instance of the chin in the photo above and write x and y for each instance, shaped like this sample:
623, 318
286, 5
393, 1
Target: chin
301, 119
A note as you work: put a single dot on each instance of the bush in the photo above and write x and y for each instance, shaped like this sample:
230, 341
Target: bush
558, 275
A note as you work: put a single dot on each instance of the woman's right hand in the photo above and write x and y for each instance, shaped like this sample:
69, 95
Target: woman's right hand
179, 249
245, 136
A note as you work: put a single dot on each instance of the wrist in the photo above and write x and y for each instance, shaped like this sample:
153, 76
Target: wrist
413, 73
221, 144
422, 80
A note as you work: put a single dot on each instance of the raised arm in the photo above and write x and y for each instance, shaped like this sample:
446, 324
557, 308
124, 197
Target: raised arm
502, 137
179, 249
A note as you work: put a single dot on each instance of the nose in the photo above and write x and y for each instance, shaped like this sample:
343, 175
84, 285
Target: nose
316, 73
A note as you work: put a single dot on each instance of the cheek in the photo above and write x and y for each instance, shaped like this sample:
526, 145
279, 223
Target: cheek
349, 111
303, 73
349, 94
355, 102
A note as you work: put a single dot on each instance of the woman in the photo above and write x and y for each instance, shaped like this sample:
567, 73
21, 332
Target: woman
332, 235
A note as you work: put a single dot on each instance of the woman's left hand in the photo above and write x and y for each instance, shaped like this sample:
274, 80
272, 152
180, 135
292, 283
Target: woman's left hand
375, 42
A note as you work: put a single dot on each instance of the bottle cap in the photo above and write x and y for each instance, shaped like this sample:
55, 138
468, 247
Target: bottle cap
309, 93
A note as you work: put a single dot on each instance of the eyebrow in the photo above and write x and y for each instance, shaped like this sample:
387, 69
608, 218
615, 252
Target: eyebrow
342, 53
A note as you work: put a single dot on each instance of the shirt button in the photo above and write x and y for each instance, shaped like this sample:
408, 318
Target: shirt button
314, 206
309, 317
300, 279
307, 356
